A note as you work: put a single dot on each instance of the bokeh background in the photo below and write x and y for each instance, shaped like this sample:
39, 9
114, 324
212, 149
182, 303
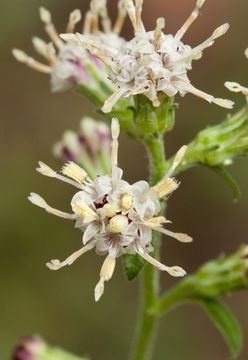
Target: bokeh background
59, 305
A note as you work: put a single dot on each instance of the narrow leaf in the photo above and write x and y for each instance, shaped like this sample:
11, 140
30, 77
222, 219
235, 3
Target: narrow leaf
225, 322
231, 181
132, 265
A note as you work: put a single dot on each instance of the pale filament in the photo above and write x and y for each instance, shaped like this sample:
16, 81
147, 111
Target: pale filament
194, 15
56, 264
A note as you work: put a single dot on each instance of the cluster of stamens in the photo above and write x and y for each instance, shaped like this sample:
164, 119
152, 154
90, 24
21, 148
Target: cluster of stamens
115, 217
152, 62
67, 64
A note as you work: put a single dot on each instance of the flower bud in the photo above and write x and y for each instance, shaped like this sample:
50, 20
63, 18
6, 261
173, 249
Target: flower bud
222, 276
33, 348
89, 147
29, 348
220, 144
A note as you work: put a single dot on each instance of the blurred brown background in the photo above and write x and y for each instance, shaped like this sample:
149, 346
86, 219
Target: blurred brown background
59, 305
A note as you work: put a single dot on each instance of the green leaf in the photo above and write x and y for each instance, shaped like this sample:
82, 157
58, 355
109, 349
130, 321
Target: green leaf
231, 181
225, 322
132, 265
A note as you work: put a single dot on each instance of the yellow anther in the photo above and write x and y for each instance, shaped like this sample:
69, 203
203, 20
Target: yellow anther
75, 172
127, 202
84, 211
118, 224
166, 187
109, 210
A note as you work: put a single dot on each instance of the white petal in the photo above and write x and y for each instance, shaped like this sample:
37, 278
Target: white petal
91, 230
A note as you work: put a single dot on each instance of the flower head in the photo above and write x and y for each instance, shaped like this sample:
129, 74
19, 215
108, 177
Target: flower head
152, 61
235, 87
89, 147
115, 217
70, 64
28, 348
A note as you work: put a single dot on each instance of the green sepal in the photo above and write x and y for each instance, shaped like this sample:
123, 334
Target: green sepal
150, 119
225, 322
92, 94
133, 264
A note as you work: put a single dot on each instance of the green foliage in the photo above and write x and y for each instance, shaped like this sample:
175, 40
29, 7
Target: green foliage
152, 120
221, 170
222, 276
220, 144
133, 264
225, 322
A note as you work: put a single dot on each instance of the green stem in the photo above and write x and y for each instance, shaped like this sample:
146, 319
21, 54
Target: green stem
176, 296
156, 153
150, 285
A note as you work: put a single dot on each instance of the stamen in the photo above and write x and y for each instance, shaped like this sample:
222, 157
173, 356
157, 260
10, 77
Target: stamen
99, 7
178, 236
80, 208
112, 100
178, 158
115, 129
95, 24
45, 15
156, 221
39, 201
158, 31
75, 172
106, 274
46, 170
122, 12
132, 13
74, 18
235, 87
175, 271
166, 186
194, 15
46, 18
228, 104
40, 46
56, 264
87, 23
246, 53
97, 50
22, 57
139, 23
70, 38
221, 30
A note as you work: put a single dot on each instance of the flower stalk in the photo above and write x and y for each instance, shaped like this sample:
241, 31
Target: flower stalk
149, 293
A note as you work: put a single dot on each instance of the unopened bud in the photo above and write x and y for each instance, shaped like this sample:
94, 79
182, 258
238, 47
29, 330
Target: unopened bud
223, 275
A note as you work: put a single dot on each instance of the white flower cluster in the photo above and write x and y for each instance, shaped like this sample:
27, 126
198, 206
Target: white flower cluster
235, 87
116, 217
152, 62
67, 63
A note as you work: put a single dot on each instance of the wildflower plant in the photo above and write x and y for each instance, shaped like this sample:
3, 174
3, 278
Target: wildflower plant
132, 84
